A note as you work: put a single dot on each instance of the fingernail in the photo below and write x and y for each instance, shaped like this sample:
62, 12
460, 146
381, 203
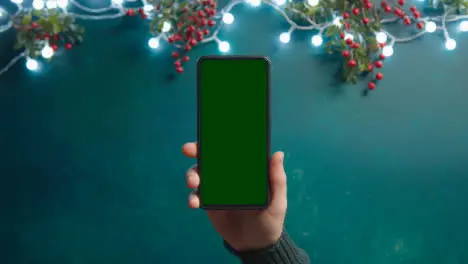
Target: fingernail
281, 157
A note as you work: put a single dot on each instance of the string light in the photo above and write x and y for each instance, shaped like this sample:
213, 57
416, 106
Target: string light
153, 43
47, 52
166, 27
224, 46
32, 64
285, 37
148, 8
349, 36
431, 26
51, 4
464, 26
312, 2
117, 2
62, 4
280, 2
450, 44
317, 40
38, 4
381, 37
18, 2
228, 18
254, 2
387, 51
337, 21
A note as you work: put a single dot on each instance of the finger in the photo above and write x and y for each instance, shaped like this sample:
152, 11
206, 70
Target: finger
277, 179
190, 150
194, 201
193, 179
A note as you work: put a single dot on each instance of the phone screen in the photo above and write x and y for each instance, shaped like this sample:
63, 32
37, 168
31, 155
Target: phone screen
233, 132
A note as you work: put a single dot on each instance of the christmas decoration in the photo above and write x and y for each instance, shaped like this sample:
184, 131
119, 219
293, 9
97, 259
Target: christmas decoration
354, 29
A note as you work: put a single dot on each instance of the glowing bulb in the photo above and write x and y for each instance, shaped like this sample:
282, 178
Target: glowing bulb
317, 40
228, 18
32, 64
284, 37
2, 12
47, 52
117, 2
381, 37
312, 2
348, 36
51, 4
280, 2
464, 26
62, 3
450, 44
224, 46
148, 8
431, 26
255, 2
153, 43
337, 21
19, 2
387, 51
166, 26
38, 4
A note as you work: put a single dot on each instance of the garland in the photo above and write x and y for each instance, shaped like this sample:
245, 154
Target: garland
352, 28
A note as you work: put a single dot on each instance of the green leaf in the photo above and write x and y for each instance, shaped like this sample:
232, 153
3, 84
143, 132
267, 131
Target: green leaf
26, 20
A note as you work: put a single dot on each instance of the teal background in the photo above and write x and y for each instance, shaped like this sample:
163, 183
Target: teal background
233, 131
91, 169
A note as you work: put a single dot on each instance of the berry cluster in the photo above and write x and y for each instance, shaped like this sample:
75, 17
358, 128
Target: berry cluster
54, 40
132, 12
407, 20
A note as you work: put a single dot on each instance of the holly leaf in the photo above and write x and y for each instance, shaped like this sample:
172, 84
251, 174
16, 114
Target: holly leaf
26, 20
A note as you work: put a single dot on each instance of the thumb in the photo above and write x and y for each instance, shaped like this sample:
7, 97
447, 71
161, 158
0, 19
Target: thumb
277, 180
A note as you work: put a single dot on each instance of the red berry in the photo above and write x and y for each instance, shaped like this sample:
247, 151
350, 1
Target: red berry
347, 25
355, 45
200, 37
211, 23
388, 9
180, 69
378, 64
401, 2
186, 58
371, 86
352, 63
143, 16
177, 37
383, 4
203, 22
398, 12
175, 54
130, 12
191, 28
379, 76
356, 11
346, 54
193, 42
368, 5
342, 35
420, 25
407, 21
54, 47
213, 12
68, 46
188, 47
201, 13
34, 25
345, 15
349, 41
370, 67
416, 14
177, 63
47, 36
365, 20
382, 57
185, 9
140, 10
206, 32
38, 37
170, 39
412, 9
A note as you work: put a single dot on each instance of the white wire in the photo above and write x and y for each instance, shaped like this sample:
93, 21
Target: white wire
97, 14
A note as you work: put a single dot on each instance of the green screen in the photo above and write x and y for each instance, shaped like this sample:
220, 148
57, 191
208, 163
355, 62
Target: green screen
233, 131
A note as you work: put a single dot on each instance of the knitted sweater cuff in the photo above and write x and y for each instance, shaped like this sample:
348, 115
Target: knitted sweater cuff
283, 252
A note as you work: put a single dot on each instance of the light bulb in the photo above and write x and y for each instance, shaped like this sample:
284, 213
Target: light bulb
317, 40
38, 4
255, 2
19, 2
148, 8
32, 64
47, 52
337, 21
464, 26
117, 2
450, 44
62, 3
166, 26
284, 37
387, 51
2, 12
51, 4
280, 2
153, 43
348, 36
381, 37
223, 46
431, 26
228, 18
312, 2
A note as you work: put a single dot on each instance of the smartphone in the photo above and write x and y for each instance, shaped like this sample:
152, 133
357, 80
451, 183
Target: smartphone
233, 132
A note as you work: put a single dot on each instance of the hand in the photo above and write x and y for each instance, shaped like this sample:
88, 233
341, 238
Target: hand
246, 230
